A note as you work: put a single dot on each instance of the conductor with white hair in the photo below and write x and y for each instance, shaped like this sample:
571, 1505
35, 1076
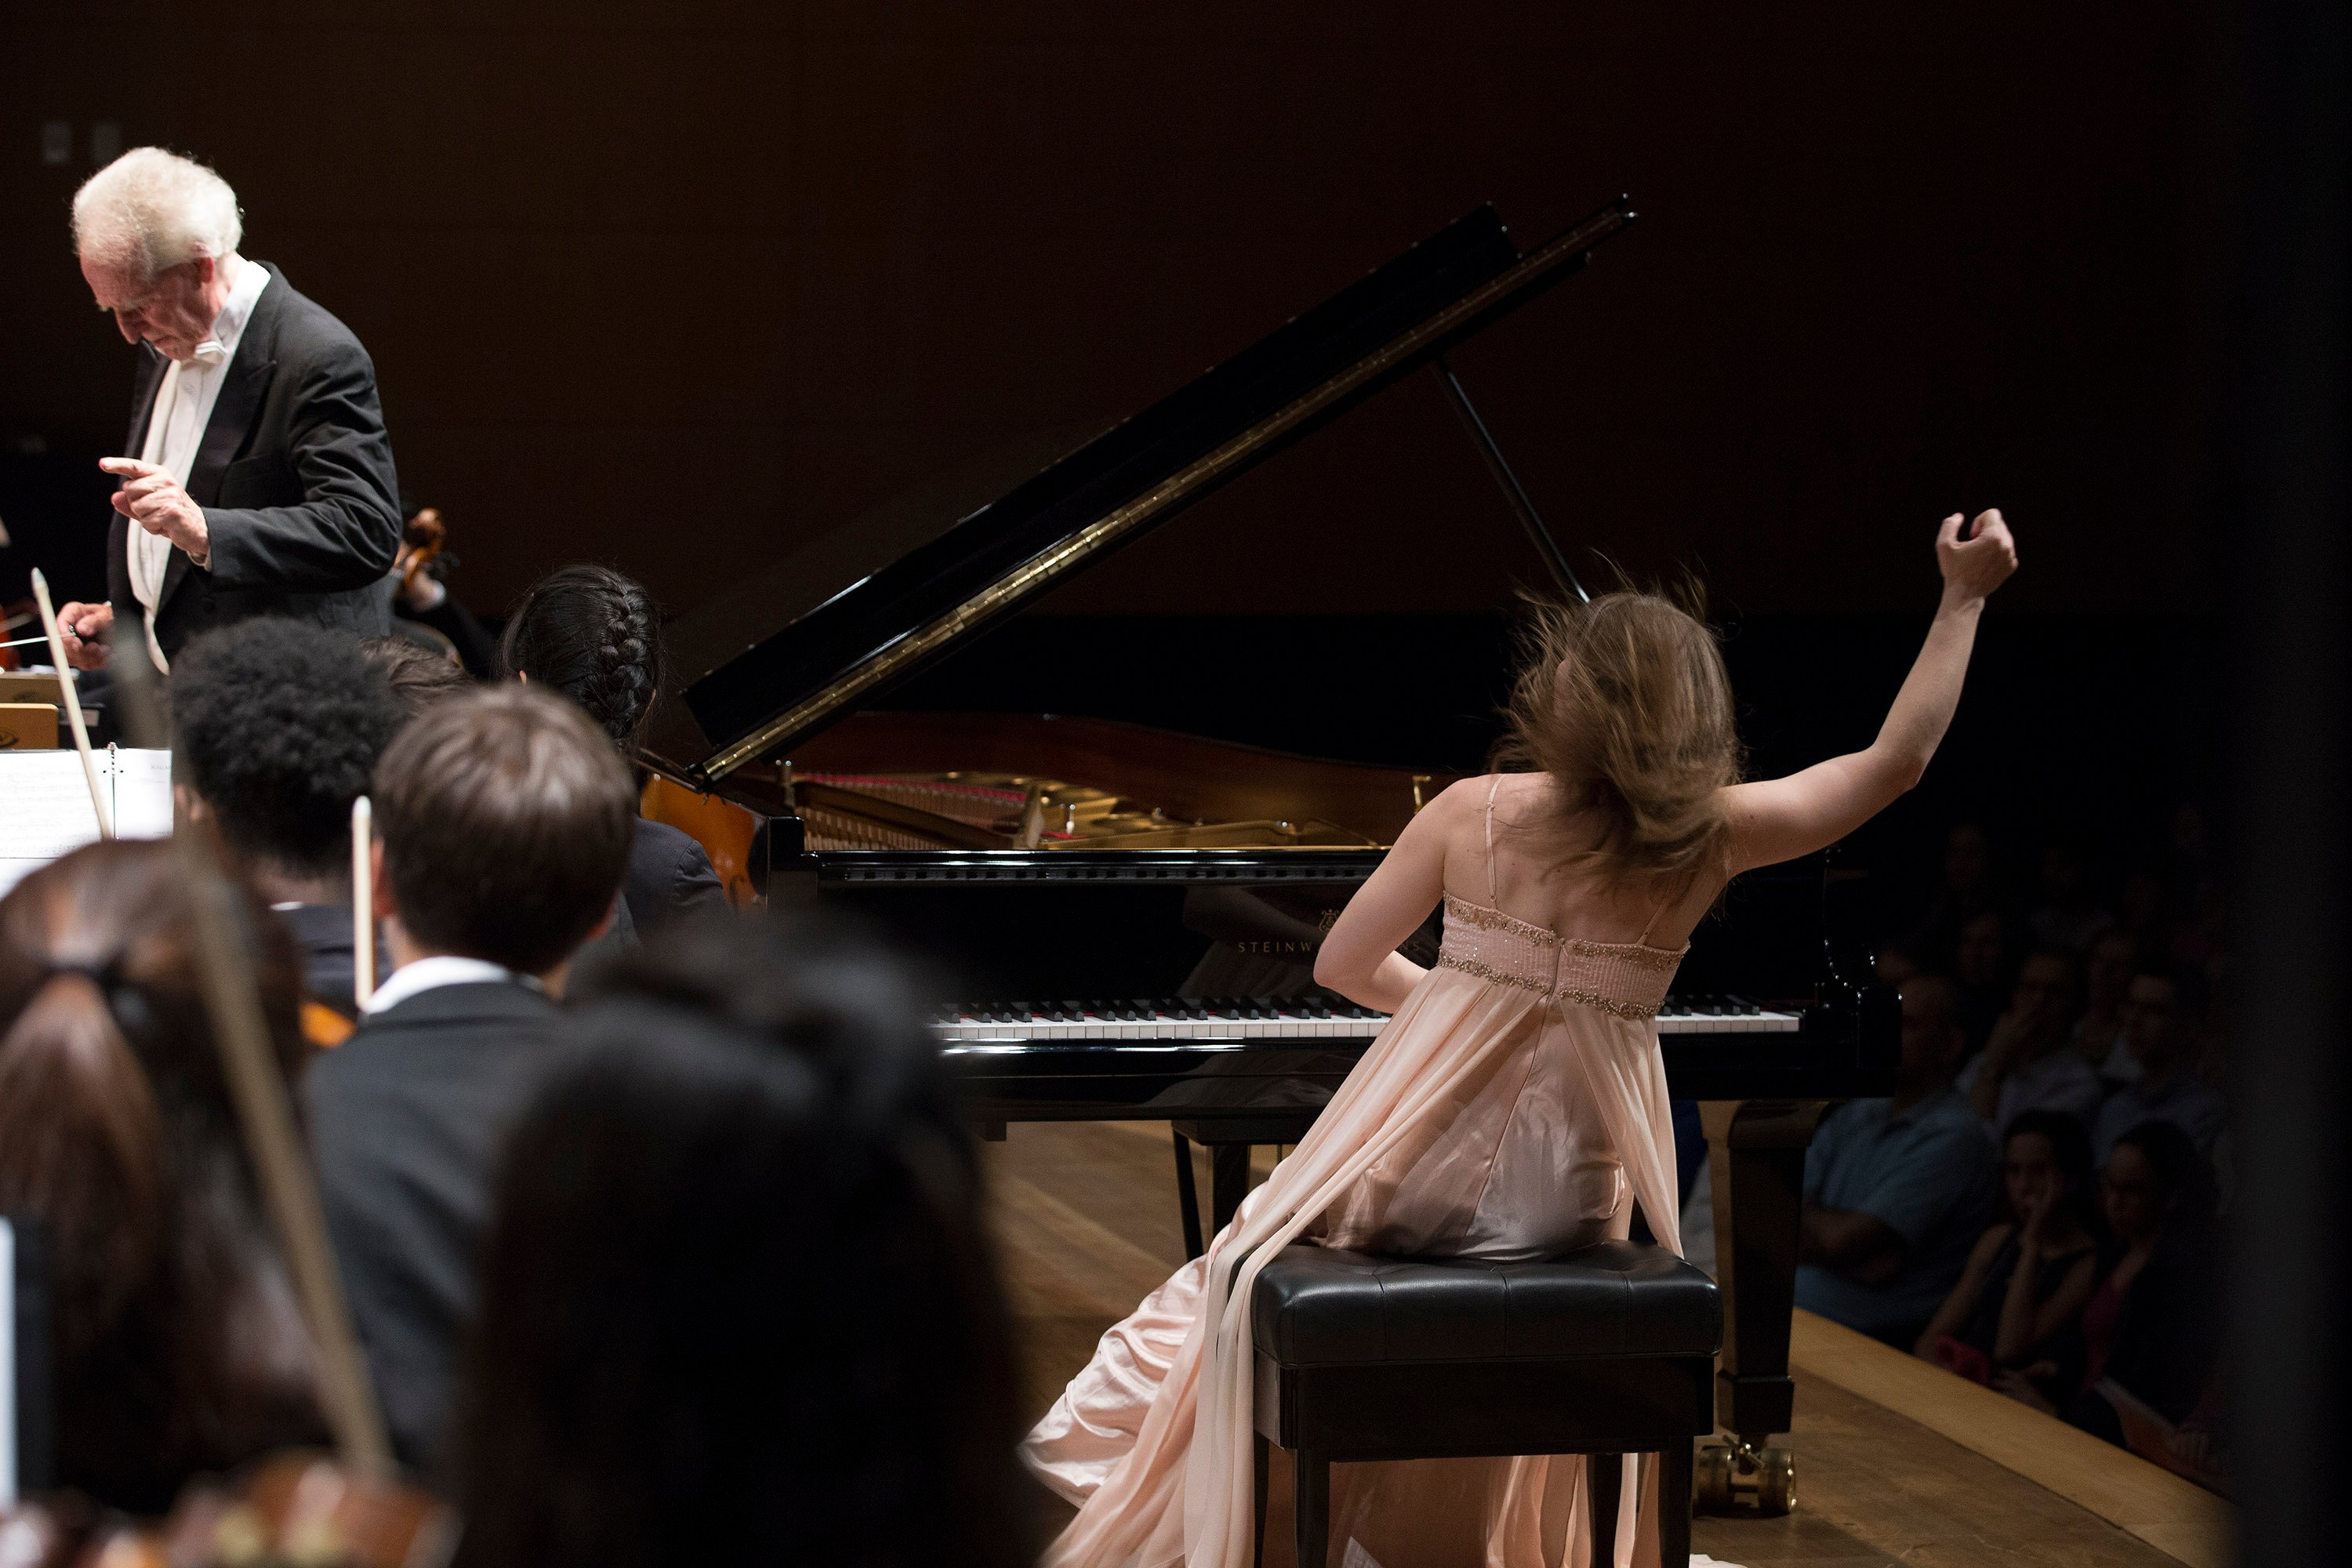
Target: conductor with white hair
257, 478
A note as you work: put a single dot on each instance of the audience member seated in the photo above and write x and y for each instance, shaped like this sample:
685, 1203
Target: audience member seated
2147, 916
2164, 1018
595, 636
2099, 1037
177, 1347
1980, 969
279, 723
418, 677
737, 1292
2152, 1329
1966, 889
502, 820
1897, 1190
2067, 916
2030, 1062
2020, 1301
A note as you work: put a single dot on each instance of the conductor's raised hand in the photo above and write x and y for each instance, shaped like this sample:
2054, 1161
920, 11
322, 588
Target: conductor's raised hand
1975, 557
83, 628
152, 497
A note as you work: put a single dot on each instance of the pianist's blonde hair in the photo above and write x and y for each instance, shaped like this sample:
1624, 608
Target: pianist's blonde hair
1625, 701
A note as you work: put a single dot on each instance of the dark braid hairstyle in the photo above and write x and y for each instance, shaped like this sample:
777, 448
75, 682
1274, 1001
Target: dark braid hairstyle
594, 635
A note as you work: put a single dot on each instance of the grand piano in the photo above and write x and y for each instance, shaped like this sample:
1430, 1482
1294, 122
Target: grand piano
1124, 920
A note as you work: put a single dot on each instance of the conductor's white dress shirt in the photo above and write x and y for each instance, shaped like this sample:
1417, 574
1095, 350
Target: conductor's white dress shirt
184, 407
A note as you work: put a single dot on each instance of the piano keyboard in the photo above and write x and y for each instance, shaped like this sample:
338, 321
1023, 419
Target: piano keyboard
1232, 1020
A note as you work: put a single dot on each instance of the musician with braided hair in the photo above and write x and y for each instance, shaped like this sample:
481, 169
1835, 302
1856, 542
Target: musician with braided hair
594, 636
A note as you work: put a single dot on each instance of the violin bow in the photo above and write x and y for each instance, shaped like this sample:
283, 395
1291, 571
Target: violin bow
265, 1110
362, 902
70, 696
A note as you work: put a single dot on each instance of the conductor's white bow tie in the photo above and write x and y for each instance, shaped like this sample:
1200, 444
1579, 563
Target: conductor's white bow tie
209, 355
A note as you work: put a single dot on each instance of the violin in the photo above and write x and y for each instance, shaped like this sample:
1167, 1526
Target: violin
424, 551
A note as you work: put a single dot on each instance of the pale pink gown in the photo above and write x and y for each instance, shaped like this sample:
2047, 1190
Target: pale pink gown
1507, 1112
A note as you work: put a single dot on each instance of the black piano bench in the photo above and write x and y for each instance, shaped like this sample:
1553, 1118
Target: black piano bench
1606, 1350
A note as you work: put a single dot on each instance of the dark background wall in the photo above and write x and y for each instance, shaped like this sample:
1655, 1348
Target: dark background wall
673, 282
681, 284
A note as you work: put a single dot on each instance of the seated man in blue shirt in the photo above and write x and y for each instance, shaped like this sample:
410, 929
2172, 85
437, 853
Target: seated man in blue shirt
2163, 1022
1896, 1191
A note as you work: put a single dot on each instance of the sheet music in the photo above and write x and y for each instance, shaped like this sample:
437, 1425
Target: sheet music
143, 793
44, 809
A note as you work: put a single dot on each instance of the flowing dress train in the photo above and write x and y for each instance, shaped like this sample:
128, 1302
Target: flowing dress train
1510, 1108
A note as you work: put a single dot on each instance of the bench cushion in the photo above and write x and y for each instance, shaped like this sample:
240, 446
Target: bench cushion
1319, 1307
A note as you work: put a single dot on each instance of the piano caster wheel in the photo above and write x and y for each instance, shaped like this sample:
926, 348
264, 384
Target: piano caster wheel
1776, 1482
1713, 1478
1728, 1476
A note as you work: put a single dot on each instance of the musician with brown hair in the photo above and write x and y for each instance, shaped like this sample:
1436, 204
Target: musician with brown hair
502, 820
179, 1350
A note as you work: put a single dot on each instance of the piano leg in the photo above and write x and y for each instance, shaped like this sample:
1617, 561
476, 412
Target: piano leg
1757, 1157
1229, 1140
1228, 1173
1187, 1197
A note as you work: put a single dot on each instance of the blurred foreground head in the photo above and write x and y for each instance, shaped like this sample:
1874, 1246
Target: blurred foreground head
178, 1347
738, 1304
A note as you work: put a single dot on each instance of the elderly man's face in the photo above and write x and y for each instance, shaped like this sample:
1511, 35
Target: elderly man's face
173, 310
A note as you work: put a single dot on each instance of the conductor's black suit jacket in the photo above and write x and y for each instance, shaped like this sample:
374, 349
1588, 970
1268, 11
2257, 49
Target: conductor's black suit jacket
294, 472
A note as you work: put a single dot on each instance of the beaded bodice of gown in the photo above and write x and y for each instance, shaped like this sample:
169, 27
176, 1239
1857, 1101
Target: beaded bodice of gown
1628, 979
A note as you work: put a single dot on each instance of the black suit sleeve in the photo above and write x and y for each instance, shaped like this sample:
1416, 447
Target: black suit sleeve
345, 531
669, 878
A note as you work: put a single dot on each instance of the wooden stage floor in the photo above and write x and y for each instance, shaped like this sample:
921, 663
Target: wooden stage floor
1085, 1220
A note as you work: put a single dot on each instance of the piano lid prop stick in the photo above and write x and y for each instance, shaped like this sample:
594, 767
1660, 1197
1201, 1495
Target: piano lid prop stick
362, 903
57, 642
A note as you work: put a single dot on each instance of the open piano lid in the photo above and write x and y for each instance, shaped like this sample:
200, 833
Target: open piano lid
835, 652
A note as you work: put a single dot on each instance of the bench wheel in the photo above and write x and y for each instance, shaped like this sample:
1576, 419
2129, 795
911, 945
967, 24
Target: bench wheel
1726, 1476
1713, 1478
